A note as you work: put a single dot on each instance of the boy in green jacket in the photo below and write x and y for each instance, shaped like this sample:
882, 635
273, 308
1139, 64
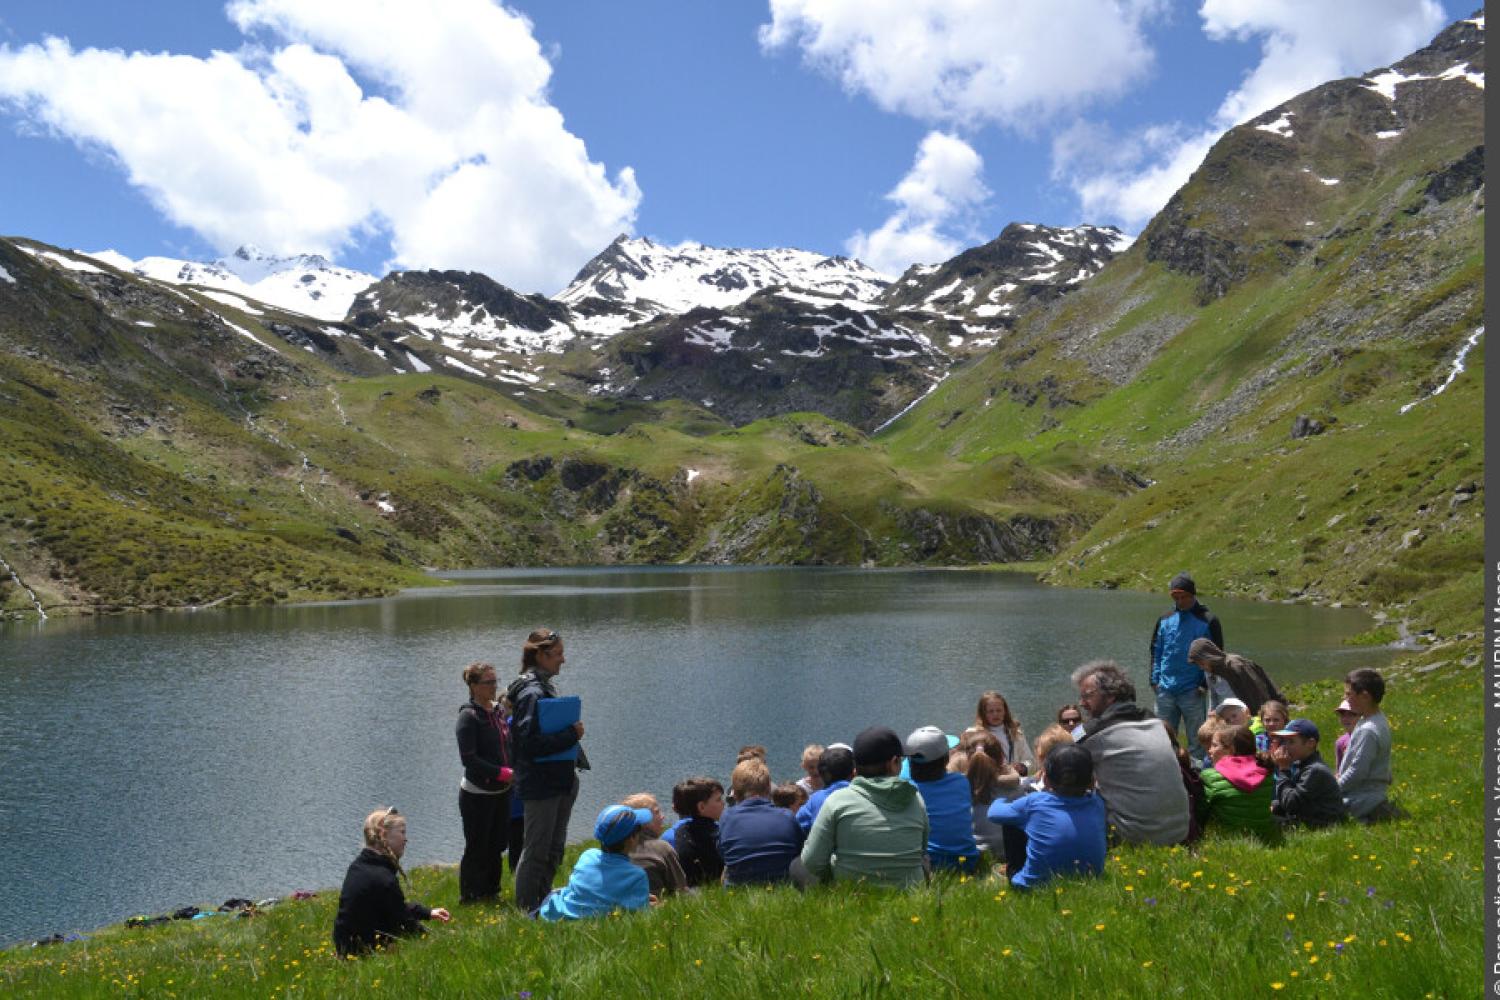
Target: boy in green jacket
874, 831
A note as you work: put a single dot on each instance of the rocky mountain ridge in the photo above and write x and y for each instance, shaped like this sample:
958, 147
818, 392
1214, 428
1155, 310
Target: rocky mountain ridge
641, 293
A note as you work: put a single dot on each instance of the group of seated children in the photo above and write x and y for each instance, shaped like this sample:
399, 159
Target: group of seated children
888, 811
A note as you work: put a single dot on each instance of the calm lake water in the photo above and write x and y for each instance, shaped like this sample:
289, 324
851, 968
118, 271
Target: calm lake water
154, 761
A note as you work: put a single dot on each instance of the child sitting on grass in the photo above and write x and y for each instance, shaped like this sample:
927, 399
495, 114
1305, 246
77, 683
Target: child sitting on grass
950, 809
789, 795
372, 910
700, 803
1238, 788
1273, 716
1064, 822
605, 879
1233, 712
1192, 781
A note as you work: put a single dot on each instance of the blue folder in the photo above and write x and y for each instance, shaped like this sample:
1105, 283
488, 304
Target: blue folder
556, 714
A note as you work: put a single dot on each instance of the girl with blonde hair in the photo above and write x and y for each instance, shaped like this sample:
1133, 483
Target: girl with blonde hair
373, 912
993, 714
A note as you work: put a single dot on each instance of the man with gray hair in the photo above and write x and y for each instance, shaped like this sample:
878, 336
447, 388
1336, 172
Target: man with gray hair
1135, 766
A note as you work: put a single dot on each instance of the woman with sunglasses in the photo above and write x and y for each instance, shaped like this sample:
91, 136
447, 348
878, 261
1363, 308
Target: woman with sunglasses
484, 792
1070, 717
548, 787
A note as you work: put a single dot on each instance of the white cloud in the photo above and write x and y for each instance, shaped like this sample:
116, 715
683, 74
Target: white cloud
945, 182
465, 164
971, 61
1126, 181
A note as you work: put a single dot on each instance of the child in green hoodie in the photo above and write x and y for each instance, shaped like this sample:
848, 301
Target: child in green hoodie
875, 831
1238, 787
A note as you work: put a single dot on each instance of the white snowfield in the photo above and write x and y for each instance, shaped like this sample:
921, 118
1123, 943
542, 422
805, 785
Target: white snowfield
6, 276
674, 279
302, 283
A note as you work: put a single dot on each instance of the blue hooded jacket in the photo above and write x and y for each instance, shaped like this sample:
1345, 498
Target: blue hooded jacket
600, 882
1170, 639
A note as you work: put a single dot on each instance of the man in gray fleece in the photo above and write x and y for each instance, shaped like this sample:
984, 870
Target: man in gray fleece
1135, 767
874, 831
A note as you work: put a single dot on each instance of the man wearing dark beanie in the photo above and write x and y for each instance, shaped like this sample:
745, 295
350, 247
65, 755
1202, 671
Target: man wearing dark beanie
1178, 684
874, 831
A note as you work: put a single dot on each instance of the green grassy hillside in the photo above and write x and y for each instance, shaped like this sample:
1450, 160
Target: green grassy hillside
1253, 356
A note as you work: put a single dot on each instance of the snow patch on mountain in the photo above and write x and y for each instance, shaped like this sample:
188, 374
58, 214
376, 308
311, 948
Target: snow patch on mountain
5, 276
1281, 126
229, 299
67, 263
1385, 83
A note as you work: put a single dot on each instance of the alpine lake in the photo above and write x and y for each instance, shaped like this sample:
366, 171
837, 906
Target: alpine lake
155, 761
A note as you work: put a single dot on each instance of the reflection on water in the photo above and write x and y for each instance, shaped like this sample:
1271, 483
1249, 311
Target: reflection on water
152, 761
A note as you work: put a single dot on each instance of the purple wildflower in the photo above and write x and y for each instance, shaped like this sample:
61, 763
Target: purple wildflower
1369, 892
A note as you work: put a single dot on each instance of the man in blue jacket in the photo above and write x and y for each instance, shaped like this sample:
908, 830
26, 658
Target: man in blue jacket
1178, 683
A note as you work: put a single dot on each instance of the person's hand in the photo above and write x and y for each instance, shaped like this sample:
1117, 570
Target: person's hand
654, 900
1280, 757
578, 728
439, 913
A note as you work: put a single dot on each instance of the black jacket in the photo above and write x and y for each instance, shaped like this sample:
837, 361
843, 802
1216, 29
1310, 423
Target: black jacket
1309, 795
483, 746
372, 910
546, 779
697, 844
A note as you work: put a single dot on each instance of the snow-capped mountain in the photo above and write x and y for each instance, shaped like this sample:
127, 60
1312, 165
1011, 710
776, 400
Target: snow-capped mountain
467, 321
650, 279
302, 283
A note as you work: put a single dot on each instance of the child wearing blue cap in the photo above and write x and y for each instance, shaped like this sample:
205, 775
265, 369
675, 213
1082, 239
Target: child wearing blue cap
605, 878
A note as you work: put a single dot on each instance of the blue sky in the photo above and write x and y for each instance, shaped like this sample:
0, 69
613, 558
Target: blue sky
469, 137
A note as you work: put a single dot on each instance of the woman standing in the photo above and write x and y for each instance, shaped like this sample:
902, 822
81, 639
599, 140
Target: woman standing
484, 792
548, 788
993, 714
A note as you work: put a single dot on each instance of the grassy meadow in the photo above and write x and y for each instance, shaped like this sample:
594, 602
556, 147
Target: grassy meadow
1391, 911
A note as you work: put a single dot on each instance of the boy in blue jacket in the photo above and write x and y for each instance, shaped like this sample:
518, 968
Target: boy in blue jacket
605, 878
1064, 822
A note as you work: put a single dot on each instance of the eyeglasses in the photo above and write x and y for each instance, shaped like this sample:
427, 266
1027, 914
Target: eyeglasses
549, 638
1071, 720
